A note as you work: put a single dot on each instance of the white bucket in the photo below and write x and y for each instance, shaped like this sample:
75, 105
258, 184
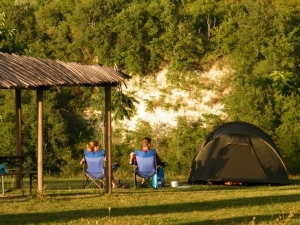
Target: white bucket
174, 183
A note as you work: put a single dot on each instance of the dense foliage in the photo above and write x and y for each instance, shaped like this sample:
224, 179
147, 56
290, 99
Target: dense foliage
259, 40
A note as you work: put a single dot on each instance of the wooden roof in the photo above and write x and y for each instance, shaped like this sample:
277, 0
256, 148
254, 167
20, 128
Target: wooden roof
23, 72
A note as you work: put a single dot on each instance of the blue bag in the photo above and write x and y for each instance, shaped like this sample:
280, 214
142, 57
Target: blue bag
2, 169
160, 177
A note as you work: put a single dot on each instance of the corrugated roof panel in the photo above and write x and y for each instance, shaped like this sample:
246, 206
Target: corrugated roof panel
28, 72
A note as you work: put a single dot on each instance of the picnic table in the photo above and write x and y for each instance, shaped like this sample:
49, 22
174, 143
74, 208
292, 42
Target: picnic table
14, 167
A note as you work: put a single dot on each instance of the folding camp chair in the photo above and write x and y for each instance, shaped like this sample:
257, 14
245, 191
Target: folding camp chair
94, 173
145, 166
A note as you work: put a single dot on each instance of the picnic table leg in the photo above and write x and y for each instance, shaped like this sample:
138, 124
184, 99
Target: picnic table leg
2, 182
30, 182
22, 185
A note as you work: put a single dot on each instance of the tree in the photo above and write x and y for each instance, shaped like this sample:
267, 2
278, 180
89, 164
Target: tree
65, 130
288, 133
182, 145
11, 39
5, 34
261, 40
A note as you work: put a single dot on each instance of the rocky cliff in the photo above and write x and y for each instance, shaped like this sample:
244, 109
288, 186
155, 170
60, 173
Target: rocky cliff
161, 102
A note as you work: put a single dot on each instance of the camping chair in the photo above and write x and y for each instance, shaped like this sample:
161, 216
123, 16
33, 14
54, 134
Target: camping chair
94, 173
115, 168
145, 166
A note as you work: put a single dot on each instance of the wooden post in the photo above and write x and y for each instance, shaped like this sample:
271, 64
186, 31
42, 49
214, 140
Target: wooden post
40, 155
108, 141
18, 136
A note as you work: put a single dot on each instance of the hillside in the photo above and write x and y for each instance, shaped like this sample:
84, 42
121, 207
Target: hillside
161, 102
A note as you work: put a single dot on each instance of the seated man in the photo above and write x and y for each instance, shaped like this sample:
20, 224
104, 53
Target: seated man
146, 145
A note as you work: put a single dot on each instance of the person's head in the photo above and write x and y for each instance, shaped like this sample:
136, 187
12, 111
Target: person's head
146, 143
91, 146
97, 147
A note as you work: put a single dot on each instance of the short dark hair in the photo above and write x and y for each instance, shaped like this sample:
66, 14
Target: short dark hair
147, 139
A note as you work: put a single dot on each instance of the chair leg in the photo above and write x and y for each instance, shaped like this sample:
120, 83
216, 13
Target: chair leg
83, 177
143, 182
119, 175
102, 183
135, 181
99, 182
86, 182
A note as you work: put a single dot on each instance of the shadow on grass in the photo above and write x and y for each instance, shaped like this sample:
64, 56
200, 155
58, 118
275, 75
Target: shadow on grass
265, 219
201, 207
64, 184
294, 181
77, 184
16, 198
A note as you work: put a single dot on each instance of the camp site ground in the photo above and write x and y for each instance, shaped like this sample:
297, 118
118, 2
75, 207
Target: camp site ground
238, 153
65, 202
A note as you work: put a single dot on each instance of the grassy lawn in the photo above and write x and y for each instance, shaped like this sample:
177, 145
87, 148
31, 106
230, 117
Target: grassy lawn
66, 202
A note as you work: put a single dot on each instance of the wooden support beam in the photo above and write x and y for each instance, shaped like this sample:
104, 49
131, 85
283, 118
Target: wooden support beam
108, 141
40, 153
18, 135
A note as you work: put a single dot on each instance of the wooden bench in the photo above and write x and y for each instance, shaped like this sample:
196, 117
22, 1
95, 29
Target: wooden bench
31, 174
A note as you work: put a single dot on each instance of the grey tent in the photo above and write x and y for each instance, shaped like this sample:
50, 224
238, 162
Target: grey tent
238, 152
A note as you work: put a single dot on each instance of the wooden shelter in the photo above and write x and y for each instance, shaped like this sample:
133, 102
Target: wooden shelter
28, 73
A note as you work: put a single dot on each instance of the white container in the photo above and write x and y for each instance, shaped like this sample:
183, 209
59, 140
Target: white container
174, 183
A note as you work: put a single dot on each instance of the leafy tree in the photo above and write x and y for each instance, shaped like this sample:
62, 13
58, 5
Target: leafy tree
131, 42
288, 132
182, 145
65, 129
253, 105
259, 40
123, 105
14, 36
5, 34
7, 129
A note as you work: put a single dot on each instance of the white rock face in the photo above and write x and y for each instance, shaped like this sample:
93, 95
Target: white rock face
179, 102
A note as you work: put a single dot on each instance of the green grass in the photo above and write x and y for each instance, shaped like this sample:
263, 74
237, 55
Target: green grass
65, 202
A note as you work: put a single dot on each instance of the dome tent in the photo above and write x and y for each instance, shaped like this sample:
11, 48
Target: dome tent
238, 152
